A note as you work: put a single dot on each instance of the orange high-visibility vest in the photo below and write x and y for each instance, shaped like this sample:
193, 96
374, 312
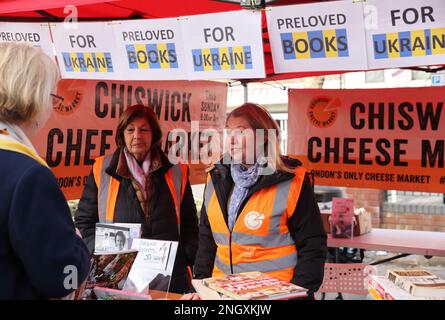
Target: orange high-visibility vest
260, 239
108, 188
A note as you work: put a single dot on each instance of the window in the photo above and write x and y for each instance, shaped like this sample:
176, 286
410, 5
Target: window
374, 76
420, 75
414, 202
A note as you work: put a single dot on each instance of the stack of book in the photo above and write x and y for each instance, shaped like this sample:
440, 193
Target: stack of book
126, 267
407, 285
247, 286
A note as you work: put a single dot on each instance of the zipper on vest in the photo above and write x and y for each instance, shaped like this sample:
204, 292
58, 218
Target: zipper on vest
230, 251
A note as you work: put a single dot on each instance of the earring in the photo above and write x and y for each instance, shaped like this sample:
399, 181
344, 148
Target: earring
37, 124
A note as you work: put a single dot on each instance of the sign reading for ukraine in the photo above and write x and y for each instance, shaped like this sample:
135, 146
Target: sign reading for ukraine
34, 34
317, 37
224, 45
405, 33
151, 49
87, 52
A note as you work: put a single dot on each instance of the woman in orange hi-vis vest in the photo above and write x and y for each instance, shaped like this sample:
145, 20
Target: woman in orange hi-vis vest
259, 211
138, 184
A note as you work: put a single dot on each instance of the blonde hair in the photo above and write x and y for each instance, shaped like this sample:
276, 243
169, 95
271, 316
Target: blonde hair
27, 77
259, 118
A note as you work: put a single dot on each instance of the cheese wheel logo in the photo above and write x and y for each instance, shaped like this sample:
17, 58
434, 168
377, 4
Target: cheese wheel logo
71, 91
323, 111
254, 220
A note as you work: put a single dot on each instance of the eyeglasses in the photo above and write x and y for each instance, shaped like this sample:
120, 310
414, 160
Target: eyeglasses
57, 99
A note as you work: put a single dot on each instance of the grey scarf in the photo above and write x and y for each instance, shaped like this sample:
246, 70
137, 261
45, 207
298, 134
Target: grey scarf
244, 179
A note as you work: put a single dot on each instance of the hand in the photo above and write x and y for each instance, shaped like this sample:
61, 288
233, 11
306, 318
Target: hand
190, 296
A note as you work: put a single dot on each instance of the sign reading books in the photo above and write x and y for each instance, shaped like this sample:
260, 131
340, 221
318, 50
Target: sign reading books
153, 266
315, 37
342, 218
376, 138
224, 45
86, 52
406, 33
150, 49
35, 34
83, 126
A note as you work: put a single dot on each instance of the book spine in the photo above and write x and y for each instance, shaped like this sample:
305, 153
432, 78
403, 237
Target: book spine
376, 286
374, 294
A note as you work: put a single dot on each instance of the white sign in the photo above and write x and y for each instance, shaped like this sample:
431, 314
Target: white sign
153, 266
151, 49
405, 33
35, 34
317, 37
224, 45
88, 52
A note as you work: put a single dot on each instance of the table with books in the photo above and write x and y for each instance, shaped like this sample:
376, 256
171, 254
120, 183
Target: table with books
406, 242
406, 285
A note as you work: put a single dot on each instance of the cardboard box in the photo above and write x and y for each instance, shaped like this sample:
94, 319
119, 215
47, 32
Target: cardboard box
362, 217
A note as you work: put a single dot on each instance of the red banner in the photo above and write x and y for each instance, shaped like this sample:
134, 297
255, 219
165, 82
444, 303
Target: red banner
380, 138
83, 126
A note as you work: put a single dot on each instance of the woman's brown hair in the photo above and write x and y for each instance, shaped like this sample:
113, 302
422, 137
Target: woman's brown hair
139, 112
259, 118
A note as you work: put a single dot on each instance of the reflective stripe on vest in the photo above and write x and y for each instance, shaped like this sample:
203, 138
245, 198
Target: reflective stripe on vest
269, 266
108, 188
176, 178
260, 240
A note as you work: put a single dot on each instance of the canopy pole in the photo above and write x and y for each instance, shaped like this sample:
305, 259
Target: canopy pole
246, 92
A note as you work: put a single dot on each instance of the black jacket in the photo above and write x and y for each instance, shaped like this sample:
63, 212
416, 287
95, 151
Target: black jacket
305, 226
162, 224
38, 243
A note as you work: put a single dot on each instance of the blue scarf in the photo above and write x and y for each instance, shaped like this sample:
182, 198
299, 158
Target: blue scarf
243, 179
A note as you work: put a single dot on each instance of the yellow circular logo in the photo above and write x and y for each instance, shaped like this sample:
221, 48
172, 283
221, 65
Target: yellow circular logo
323, 111
254, 220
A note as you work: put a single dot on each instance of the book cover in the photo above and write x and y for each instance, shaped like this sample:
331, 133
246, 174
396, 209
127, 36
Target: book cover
153, 266
108, 270
254, 286
418, 282
205, 293
135, 231
342, 218
429, 290
383, 289
113, 294
111, 238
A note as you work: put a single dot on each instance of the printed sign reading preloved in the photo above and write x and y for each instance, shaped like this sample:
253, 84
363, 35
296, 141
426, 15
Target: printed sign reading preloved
224, 45
86, 52
316, 37
151, 49
407, 33
35, 34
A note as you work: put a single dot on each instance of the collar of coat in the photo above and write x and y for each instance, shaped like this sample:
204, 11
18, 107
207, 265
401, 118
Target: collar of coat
221, 171
118, 168
15, 146
223, 182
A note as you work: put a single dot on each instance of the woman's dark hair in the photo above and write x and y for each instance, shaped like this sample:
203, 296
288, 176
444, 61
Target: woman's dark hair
139, 112
120, 233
